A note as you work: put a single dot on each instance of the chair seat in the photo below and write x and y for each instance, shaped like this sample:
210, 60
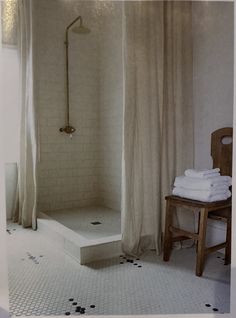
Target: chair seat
199, 204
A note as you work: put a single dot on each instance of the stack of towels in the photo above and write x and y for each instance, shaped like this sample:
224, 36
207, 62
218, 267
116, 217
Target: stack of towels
203, 185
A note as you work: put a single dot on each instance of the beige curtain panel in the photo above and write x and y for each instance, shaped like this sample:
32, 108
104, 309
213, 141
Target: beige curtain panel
26, 201
158, 123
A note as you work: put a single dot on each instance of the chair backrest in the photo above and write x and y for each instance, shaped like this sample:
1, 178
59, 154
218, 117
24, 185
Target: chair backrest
221, 150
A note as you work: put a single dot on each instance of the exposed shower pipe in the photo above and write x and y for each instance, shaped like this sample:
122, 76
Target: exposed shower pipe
81, 29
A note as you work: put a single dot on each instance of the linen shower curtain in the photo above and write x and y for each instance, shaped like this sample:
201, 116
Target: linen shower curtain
25, 210
142, 133
158, 129
177, 120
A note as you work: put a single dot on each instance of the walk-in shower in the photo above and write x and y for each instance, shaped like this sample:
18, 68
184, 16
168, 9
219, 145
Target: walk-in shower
80, 29
80, 178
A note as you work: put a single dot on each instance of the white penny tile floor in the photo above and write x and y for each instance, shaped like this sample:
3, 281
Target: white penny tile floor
45, 281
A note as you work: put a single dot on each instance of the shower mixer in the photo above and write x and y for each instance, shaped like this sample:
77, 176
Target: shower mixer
68, 129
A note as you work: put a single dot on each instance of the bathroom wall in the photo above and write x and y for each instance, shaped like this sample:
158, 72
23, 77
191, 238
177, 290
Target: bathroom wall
68, 168
111, 100
213, 38
11, 122
84, 170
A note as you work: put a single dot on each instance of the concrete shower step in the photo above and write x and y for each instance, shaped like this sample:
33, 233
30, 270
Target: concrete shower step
80, 248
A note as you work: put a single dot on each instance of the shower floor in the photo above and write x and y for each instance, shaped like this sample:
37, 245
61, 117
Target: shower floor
84, 221
87, 234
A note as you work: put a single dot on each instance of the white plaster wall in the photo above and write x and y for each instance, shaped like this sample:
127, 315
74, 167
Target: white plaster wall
110, 110
212, 83
213, 73
11, 122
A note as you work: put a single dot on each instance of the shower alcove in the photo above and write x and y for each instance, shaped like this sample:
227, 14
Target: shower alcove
79, 178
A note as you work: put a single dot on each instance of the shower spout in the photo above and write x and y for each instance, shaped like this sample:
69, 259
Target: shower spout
68, 129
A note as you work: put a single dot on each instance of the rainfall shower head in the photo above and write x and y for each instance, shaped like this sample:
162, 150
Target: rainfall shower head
81, 30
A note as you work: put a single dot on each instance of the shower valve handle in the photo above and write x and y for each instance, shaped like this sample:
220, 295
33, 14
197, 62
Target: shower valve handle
68, 129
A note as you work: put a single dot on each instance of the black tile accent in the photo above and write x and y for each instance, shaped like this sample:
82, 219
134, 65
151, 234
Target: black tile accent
215, 309
129, 260
67, 313
121, 262
75, 303
96, 223
71, 299
82, 310
92, 306
207, 305
140, 266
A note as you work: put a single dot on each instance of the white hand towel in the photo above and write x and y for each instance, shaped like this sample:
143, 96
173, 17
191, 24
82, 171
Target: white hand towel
220, 182
202, 173
199, 195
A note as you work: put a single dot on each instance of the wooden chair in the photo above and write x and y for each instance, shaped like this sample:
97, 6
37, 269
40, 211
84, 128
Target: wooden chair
222, 158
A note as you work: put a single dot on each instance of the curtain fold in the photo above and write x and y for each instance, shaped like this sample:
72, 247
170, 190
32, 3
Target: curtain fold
158, 139
177, 122
142, 133
25, 207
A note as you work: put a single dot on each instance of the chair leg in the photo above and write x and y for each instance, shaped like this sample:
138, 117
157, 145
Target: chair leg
228, 240
168, 234
198, 226
201, 242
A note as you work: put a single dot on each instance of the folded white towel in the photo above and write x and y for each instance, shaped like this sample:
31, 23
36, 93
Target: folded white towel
199, 195
202, 173
220, 182
221, 179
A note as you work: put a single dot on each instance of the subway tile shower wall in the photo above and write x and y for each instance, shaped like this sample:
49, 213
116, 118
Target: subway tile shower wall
84, 170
